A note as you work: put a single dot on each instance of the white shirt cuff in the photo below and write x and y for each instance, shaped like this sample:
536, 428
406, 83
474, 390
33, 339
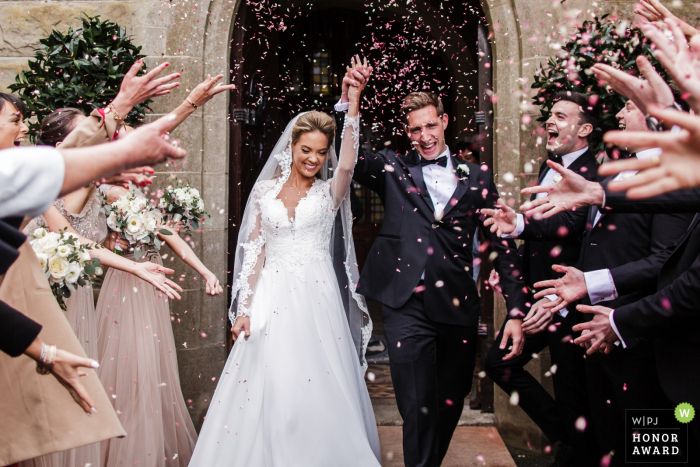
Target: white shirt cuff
342, 107
553, 297
519, 227
600, 285
612, 324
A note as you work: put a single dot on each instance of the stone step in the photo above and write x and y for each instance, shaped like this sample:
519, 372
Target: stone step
471, 446
387, 414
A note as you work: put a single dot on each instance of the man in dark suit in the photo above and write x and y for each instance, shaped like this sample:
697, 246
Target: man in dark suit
420, 269
619, 380
569, 127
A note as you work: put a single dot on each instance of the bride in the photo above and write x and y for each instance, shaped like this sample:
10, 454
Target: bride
292, 392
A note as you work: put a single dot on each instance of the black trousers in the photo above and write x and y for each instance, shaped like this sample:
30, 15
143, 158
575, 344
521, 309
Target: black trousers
556, 418
623, 379
432, 366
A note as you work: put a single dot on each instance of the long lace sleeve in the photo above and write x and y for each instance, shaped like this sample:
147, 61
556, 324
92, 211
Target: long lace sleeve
249, 262
349, 147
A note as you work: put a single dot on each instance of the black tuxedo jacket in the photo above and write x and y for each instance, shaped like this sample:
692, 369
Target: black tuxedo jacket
411, 240
539, 256
671, 316
630, 240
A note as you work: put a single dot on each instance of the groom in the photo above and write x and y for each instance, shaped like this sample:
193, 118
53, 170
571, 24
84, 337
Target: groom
420, 269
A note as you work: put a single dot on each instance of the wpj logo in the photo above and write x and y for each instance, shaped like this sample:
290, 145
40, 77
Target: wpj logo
657, 435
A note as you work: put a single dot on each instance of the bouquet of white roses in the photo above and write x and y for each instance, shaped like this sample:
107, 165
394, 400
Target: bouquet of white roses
65, 261
136, 221
183, 203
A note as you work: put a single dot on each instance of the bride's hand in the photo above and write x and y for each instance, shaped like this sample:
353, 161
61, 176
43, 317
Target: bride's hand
213, 286
365, 70
153, 274
242, 323
207, 89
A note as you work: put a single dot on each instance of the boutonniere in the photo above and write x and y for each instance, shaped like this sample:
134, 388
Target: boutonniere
462, 171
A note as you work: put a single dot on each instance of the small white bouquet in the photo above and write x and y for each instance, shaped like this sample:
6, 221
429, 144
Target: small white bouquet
65, 261
183, 203
136, 221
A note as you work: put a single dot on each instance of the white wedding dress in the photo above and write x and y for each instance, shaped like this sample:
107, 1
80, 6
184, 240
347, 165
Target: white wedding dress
293, 394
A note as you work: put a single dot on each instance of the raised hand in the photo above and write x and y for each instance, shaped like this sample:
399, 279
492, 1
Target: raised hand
653, 90
538, 318
502, 220
140, 176
355, 76
680, 61
137, 89
365, 70
495, 282
570, 193
569, 288
598, 331
148, 145
654, 12
513, 330
207, 89
678, 167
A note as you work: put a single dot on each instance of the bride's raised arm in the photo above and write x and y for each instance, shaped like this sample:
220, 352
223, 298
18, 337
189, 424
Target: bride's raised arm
350, 141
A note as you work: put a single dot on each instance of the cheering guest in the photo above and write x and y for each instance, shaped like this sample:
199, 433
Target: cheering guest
570, 127
620, 380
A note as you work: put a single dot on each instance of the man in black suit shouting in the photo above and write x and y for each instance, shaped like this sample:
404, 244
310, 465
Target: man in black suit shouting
420, 269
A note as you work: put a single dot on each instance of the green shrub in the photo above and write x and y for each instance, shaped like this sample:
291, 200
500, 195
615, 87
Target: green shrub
81, 68
599, 40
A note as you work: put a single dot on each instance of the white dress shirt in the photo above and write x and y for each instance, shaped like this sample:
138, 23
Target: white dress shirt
548, 179
441, 183
31, 178
599, 283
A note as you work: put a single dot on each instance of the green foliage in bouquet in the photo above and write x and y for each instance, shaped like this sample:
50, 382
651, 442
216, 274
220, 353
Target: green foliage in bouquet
598, 41
82, 68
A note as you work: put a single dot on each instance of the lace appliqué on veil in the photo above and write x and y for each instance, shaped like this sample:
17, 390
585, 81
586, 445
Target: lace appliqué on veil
252, 251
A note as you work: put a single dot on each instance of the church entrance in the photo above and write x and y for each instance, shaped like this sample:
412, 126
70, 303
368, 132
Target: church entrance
288, 57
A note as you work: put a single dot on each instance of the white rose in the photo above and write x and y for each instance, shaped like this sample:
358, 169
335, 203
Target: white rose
112, 222
84, 256
122, 204
37, 246
43, 260
194, 192
150, 221
135, 227
73, 274
49, 243
137, 205
58, 267
64, 250
200, 204
98, 271
162, 203
39, 233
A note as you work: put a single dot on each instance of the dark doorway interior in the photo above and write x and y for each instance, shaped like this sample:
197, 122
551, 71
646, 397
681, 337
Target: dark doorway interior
287, 58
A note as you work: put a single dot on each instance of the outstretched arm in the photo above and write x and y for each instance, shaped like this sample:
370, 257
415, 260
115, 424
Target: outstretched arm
350, 145
149, 272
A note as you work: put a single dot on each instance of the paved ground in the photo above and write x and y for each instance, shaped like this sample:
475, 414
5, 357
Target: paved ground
471, 446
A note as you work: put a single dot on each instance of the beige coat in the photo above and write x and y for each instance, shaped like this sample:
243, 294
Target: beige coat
37, 414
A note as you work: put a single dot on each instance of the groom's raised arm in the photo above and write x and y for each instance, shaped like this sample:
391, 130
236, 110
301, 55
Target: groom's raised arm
370, 172
508, 262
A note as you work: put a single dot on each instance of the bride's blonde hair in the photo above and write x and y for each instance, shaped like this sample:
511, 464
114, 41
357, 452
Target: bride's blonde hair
314, 121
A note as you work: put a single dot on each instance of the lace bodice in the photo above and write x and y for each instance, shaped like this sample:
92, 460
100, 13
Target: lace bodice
89, 223
290, 243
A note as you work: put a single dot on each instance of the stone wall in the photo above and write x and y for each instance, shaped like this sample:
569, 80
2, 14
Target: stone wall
193, 35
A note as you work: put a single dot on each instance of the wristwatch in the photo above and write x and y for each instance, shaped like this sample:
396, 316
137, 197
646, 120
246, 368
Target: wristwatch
654, 124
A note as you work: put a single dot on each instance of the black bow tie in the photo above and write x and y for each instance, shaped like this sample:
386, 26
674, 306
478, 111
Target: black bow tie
555, 158
439, 161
